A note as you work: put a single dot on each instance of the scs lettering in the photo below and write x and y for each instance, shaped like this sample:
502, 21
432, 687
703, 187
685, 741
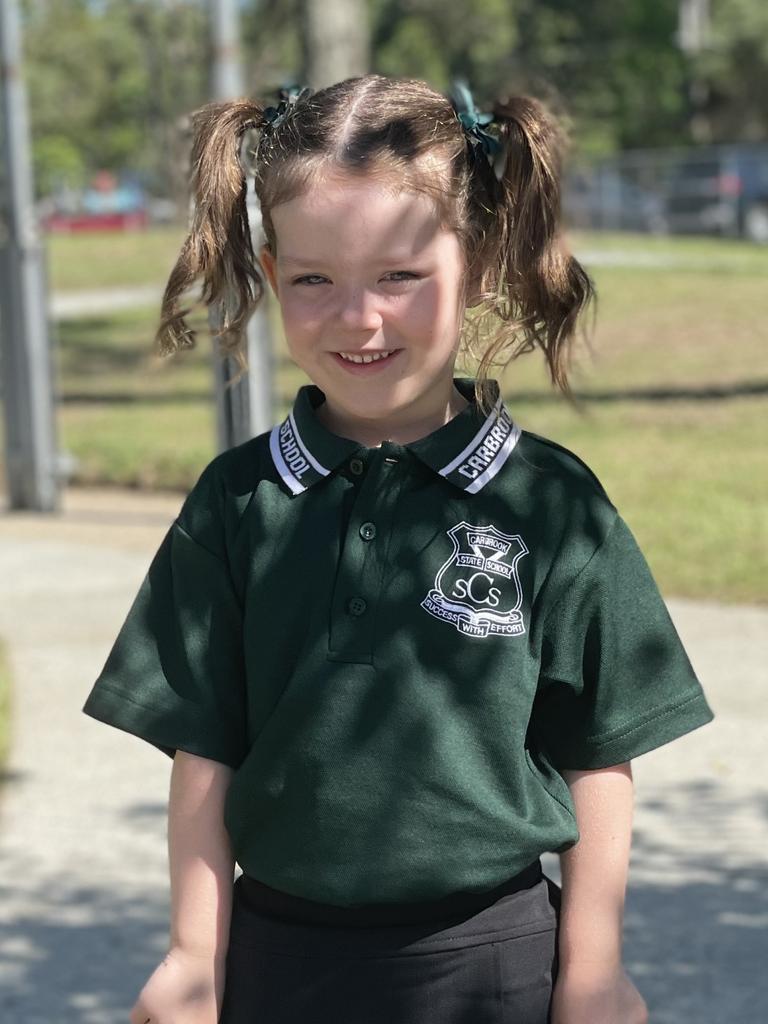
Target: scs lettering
468, 589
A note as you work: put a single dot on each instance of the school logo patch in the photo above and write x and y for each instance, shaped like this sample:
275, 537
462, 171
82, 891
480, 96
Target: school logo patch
478, 589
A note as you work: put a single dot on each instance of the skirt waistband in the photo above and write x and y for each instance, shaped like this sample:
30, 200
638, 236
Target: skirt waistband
275, 903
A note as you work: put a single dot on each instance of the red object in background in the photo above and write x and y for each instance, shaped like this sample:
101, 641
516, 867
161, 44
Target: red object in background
62, 223
729, 184
104, 181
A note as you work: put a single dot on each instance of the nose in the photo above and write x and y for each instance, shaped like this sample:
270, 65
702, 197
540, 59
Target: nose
358, 310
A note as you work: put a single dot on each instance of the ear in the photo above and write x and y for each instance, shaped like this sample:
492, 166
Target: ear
267, 261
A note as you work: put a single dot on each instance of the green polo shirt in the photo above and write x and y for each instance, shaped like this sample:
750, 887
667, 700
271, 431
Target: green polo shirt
398, 650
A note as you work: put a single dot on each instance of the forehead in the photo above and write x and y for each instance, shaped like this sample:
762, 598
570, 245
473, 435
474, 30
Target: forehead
357, 217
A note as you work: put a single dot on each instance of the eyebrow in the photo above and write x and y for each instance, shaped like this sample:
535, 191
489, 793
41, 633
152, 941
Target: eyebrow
305, 261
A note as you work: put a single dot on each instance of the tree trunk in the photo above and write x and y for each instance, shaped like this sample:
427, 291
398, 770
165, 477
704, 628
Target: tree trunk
335, 37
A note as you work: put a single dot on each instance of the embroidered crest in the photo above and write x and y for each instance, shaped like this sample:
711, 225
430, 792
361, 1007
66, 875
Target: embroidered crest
478, 588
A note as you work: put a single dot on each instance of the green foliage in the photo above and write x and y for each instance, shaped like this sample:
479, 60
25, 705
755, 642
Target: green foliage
58, 161
627, 82
735, 67
426, 39
411, 44
272, 44
109, 84
613, 71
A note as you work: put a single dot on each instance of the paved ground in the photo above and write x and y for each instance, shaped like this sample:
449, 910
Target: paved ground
69, 305
83, 868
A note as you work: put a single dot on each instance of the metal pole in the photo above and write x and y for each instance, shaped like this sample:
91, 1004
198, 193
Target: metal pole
32, 472
244, 409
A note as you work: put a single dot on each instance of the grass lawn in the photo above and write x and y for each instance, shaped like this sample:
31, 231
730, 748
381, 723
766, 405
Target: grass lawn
93, 260
90, 260
674, 399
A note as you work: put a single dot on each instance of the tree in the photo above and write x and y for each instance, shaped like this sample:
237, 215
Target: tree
110, 82
108, 86
613, 70
734, 64
335, 40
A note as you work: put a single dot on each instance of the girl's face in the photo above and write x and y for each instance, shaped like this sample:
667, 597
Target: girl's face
363, 272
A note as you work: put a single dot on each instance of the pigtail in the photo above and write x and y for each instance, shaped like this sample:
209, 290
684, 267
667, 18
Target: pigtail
540, 289
219, 245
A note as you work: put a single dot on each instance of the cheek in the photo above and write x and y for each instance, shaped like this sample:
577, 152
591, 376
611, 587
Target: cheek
300, 316
431, 310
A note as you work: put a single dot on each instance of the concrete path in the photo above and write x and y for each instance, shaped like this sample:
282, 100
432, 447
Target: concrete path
83, 863
71, 305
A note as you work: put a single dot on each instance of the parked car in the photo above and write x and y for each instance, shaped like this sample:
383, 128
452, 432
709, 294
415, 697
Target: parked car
603, 198
719, 190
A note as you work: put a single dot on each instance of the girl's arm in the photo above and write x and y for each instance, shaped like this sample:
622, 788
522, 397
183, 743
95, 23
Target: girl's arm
189, 983
594, 871
200, 857
592, 986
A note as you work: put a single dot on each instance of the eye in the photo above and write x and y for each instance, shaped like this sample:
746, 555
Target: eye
408, 274
308, 279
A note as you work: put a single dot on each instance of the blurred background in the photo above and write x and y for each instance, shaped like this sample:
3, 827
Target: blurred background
665, 201
665, 196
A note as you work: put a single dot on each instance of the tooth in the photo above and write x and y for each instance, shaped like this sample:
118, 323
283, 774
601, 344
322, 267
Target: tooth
369, 357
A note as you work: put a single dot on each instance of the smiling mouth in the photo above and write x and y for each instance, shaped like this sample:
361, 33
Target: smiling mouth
366, 357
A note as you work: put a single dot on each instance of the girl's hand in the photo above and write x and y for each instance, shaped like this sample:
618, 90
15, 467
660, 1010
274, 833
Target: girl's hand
186, 987
593, 993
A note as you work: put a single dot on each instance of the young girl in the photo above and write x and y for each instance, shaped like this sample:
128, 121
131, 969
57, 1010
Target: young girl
397, 647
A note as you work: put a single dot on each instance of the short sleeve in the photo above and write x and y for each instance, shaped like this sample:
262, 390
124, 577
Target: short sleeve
615, 680
175, 676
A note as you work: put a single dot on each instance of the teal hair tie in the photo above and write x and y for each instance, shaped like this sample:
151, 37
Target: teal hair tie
473, 122
290, 95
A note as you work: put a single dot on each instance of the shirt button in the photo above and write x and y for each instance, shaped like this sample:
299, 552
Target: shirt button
368, 531
356, 606
356, 466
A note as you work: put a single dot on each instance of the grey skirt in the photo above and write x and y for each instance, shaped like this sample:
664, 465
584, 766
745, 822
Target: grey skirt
496, 965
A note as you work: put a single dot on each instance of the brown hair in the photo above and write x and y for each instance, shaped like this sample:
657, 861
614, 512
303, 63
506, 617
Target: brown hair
528, 289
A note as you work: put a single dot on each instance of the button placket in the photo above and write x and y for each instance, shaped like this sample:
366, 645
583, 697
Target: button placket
361, 570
